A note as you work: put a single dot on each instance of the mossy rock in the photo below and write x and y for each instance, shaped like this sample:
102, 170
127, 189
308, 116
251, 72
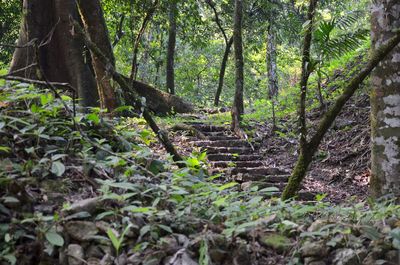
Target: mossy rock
276, 241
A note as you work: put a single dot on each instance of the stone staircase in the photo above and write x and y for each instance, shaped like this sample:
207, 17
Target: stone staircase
238, 160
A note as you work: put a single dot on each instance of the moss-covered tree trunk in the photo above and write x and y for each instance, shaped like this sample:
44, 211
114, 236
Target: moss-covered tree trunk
238, 106
305, 73
385, 102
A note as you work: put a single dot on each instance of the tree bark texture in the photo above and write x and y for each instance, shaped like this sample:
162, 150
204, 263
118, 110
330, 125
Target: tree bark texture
173, 9
385, 103
95, 25
305, 73
272, 70
238, 106
306, 154
60, 55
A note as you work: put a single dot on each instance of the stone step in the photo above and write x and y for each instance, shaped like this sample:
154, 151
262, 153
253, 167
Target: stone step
247, 164
230, 157
210, 128
231, 150
222, 143
222, 137
301, 195
261, 178
194, 122
246, 186
221, 133
258, 171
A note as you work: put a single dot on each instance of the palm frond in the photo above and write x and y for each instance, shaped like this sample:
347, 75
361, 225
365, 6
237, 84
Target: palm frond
344, 43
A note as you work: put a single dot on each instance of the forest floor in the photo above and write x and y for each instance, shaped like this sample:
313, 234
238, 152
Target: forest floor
101, 191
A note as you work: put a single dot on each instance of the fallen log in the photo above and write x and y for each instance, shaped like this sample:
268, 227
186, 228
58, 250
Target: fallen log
159, 101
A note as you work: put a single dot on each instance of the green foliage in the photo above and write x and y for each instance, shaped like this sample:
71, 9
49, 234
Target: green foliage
117, 240
333, 38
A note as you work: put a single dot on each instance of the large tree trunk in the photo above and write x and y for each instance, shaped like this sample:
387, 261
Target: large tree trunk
385, 102
224, 62
238, 106
171, 47
272, 71
95, 25
61, 57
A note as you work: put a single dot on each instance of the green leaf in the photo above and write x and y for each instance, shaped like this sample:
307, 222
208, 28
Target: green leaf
10, 258
166, 228
58, 156
269, 190
114, 239
220, 201
93, 117
227, 186
104, 214
192, 162
141, 210
57, 168
5, 149
144, 230
7, 238
371, 232
54, 238
204, 258
9, 199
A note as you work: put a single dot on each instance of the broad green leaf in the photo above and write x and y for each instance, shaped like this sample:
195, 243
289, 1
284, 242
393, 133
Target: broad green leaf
93, 117
166, 228
371, 232
10, 258
57, 168
54, 238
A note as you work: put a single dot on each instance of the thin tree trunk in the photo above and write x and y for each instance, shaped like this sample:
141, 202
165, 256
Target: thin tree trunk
385, 103
305, 73
306, 155
119, 33
238, 106
95, 25
145, 22
321, 100
61, 58
272, 72
228, 47
171, 47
